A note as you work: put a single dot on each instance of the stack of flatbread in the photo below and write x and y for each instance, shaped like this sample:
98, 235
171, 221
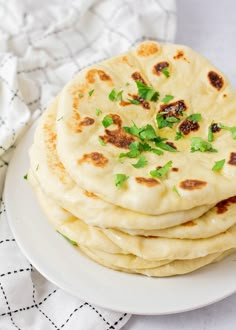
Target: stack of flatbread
135, 162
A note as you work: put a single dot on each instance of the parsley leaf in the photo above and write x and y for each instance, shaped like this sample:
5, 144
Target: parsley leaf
198, 144
133, 130
142, 161
81, 95
218, 165
91, 92
231, 129
60, 118
195, 117
165, 122
176, 190
165, 146
26, 176
127, 84
144, 133
147, 92
210, 136
114, 96
167, 98
107, 121
161, 172
67, 238
120, 180
130, 154
178, 136
134, 101
166, 72
101, 141
147, 133
98, 112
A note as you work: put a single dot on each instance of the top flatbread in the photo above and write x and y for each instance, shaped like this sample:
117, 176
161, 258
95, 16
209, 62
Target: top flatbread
197, 87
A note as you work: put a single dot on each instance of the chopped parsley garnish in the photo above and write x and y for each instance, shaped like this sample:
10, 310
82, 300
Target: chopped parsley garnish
165, 122
37, 167
147, 92
166, 72
162, 172
26, 176
134, 101
176, 190
142, 161
198, 144
101, 141
210, 136
218, 165
134, 151
231, 129
91, 92
195, 117
107, 121
178, 136
127, 84
60, 118
145, 132
98, 112
167, 98
114, 96
165, 146
120, 180
81, 95
68, 239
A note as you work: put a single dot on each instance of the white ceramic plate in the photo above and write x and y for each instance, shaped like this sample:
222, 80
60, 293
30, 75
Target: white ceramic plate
63, 265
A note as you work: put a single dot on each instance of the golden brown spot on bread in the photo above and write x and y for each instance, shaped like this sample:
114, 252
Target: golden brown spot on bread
192, 184
137, 77
95, 158
180, 55
90, 76
89, 194
117, 137
147, 49
171, 144
175, 169
232, 159
149, 182
189, 224
50, 138
145, 104
87, 121
224, 95
222, 206
215, 128
125, 59
188, 125
174, 109
215, 80
157, 69
124, 103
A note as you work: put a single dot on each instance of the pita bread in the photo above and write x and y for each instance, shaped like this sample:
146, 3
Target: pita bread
197, 87
57, 184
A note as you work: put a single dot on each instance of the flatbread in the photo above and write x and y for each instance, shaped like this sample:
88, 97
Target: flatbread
177, 267
159, 248
215, 221
197, 87
57, 184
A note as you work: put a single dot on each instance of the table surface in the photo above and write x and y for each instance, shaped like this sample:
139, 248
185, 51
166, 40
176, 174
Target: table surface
209, 27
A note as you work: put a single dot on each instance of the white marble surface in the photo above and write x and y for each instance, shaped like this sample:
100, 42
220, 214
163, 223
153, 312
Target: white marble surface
209, 27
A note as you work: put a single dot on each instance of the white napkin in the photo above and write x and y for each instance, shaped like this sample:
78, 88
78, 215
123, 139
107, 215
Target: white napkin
43, 45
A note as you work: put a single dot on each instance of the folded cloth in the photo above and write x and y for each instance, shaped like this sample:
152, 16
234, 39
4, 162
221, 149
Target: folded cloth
42, 47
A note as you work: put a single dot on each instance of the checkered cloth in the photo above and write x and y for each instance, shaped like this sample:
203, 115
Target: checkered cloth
43, 45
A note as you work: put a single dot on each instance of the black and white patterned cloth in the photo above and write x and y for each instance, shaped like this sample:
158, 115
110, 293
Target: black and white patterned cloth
43, 44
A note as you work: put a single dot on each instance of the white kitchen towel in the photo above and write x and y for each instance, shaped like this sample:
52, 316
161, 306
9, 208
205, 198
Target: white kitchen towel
43, 44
